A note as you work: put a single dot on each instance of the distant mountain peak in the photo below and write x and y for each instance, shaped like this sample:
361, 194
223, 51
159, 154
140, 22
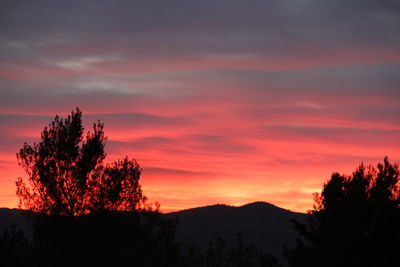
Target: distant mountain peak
260, 223
253, 208
259, 204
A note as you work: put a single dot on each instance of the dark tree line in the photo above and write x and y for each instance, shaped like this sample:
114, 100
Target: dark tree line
88, 213
355, 221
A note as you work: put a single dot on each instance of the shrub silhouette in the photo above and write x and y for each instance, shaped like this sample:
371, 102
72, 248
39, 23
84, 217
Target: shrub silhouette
355, 221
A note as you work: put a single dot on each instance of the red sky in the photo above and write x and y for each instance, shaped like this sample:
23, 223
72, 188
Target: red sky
222, 102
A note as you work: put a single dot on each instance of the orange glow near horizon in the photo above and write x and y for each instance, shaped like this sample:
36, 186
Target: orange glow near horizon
197, 162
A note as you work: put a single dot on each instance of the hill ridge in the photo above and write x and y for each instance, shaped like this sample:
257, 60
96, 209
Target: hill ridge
263, 224
256, 204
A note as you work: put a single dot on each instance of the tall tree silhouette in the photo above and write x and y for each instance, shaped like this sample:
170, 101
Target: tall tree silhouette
67, 175
354, 221
86, 212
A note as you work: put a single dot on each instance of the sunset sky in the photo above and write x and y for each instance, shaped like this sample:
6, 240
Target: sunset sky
220, 101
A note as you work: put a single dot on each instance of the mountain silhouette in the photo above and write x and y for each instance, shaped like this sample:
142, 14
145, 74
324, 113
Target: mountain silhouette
266, 226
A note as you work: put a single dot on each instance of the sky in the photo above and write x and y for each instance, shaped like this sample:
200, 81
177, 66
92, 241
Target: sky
226, 101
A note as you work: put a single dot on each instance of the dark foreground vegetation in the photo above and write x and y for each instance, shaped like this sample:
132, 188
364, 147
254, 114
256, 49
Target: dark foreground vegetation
118, 239
86, 213
355, 221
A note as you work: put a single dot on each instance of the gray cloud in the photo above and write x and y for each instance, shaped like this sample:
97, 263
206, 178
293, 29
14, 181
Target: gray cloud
137, 119
73, 37
13, 121
339, 135
145, 144
164, 28
218, 144
341, 80
160, 171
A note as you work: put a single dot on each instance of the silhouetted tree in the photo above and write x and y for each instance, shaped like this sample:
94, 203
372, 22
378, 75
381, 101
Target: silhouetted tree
67, 176
355, 221
86, 212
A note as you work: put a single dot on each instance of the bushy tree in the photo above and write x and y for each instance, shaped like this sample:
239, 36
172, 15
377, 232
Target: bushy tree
355, 221
67, 175
85, 212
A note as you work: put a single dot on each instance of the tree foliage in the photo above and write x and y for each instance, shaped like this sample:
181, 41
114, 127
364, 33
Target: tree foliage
354, 221
67, 174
